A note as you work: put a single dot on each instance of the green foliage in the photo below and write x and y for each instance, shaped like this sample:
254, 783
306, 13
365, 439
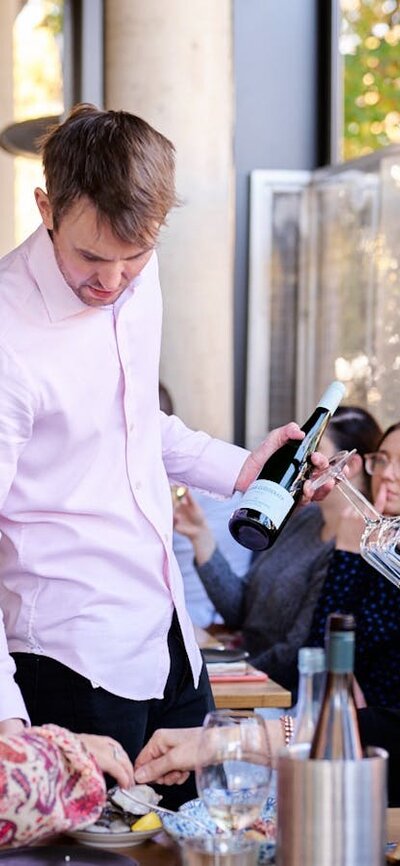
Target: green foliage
371, 46
53, 18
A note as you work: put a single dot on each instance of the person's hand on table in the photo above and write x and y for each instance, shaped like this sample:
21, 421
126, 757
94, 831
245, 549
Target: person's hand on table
171, 753
168, 756
275, 439
111, 758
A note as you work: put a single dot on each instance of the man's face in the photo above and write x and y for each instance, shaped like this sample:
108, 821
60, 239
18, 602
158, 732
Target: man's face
95, 264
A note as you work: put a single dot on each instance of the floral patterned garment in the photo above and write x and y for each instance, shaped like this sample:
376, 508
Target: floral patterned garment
49, 783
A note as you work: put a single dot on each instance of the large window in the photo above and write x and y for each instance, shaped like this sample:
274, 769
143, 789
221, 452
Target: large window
369, 47
324, 289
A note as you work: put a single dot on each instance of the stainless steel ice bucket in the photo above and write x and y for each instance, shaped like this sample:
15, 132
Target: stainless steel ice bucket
331, 812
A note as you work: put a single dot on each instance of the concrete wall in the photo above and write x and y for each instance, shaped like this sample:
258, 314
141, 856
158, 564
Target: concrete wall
172, 64
276, 79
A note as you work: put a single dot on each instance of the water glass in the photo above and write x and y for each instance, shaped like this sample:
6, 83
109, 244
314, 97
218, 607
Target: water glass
223, 851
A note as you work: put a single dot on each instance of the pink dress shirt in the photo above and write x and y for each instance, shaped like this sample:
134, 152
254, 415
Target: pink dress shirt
87, 571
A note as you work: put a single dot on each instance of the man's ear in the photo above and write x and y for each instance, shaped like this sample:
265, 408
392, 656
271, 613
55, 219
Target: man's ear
43, 203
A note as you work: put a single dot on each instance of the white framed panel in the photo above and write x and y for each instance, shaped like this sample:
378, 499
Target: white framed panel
278, 218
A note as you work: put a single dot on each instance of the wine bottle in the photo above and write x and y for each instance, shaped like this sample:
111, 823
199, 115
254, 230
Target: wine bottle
269, 501
336, 733
311, 664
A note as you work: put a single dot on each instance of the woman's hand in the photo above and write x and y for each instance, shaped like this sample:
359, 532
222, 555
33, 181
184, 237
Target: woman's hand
168, 756
190, 520
171, 753
351, 525
111, 758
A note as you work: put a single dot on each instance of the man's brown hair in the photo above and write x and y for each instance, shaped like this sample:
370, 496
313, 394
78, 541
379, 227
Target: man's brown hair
118, 161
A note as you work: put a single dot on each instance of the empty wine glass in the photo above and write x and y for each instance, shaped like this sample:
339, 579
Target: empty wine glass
380, 541
233, 767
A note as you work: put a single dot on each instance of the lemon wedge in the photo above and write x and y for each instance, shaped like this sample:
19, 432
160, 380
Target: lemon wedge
150, 821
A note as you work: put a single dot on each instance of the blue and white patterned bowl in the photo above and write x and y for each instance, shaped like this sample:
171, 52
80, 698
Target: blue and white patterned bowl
182, 828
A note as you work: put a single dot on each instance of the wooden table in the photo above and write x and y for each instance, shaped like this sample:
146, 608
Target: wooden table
244, 696
247, 696
163, 851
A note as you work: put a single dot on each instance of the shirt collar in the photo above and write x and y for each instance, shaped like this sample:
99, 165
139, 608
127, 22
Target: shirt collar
59, 299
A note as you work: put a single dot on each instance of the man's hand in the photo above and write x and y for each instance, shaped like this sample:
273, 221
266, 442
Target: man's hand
255, 461
8, 727
168, 756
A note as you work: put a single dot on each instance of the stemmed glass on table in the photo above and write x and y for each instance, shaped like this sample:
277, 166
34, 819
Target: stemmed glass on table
233, 768
380, 541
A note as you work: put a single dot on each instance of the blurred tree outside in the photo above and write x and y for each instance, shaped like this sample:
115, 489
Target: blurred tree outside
370, 46
38, 91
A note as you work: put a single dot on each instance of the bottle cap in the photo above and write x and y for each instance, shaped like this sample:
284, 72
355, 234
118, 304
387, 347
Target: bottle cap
332, 396
311, 660
340, 622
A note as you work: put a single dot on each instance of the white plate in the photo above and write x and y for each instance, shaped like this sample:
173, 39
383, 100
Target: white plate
113, 840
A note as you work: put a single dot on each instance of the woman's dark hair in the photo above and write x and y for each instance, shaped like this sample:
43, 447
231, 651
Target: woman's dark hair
353, 427
387, 432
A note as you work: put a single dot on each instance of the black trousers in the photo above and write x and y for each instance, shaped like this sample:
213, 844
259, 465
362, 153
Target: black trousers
55, 693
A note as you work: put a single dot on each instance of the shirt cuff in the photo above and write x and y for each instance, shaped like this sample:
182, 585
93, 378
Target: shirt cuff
12, 705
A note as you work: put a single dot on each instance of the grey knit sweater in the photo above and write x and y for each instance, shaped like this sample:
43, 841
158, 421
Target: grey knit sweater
274, 603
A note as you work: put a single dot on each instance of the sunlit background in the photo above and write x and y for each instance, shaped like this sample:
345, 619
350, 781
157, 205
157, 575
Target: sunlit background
331, 285
38, 91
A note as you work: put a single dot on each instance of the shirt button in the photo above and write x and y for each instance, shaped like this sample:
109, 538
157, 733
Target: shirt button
131, 426
138, 485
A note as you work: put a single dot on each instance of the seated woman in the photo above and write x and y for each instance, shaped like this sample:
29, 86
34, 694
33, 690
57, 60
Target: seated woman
52, 780
274, 603
217, 511
354, 586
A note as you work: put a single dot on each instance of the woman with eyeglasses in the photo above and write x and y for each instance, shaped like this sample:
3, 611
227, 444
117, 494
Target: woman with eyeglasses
354, 586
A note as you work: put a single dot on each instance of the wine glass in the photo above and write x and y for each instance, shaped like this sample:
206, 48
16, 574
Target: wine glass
380, 541
233, 769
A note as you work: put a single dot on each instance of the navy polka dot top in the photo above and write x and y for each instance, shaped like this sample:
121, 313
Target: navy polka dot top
353, 586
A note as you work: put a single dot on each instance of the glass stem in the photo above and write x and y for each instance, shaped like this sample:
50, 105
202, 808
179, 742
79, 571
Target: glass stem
358, 501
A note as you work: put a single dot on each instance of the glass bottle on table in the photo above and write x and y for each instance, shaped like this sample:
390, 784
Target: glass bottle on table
311, 664
336, 733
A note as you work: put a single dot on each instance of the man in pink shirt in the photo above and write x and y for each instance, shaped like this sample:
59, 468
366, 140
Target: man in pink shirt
96, 636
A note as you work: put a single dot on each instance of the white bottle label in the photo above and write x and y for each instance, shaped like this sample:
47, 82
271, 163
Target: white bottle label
269, 498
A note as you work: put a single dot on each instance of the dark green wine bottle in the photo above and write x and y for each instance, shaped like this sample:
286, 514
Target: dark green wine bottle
270, 500
336, 735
